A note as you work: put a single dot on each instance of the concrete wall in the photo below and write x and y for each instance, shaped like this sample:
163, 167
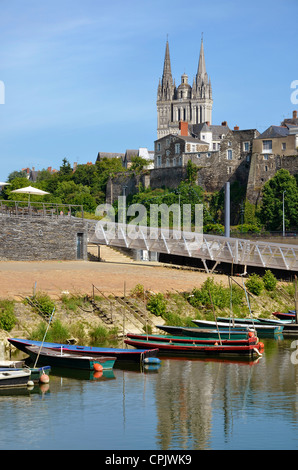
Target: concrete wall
25, 238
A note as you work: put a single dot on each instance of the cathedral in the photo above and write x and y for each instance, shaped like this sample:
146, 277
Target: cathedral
183, 103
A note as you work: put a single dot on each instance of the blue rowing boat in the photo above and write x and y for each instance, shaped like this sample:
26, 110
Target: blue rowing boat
125, 355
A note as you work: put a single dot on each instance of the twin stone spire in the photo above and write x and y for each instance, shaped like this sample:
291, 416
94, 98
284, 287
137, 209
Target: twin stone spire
183, 103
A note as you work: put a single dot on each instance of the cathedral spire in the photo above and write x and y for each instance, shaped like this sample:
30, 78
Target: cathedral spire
167, 72
202, 74
166, 89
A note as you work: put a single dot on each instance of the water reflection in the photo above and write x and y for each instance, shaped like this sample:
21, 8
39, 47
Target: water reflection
190, 404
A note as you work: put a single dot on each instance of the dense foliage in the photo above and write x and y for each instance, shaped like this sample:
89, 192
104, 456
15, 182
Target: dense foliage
86, 186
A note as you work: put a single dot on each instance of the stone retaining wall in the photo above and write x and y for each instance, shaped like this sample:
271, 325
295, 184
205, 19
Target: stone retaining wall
57, 238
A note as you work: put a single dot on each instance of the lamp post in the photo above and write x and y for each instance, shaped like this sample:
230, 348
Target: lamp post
283, 214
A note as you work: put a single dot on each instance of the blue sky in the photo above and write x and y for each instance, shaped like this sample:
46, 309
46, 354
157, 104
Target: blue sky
81, 76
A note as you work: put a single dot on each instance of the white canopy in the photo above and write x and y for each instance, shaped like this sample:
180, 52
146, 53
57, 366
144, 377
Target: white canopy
30, 190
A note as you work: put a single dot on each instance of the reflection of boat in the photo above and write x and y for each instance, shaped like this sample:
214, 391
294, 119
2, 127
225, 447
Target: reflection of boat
73, 361
222, 322
207, 334
80, 374
127, 355
252, 339
186, 349
14, 378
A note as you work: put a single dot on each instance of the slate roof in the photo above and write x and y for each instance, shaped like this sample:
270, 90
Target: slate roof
273, 132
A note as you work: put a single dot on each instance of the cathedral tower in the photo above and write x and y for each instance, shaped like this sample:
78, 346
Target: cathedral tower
184, 103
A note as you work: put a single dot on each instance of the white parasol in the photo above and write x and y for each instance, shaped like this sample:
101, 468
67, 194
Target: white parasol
30, 190
3, 184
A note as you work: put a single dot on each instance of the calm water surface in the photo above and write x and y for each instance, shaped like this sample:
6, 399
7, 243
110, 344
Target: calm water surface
184, 405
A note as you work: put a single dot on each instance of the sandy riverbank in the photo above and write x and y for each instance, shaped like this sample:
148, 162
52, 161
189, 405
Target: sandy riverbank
17, 278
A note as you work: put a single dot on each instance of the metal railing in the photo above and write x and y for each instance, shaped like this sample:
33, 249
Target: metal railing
39, 209
202, 246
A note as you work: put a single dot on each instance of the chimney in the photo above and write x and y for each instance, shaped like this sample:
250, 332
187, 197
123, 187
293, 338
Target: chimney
294, 114
49, 169
236, 128
183, 127
224, 123
208, 123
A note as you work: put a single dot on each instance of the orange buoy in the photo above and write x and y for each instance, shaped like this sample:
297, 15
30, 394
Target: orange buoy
97, 367
44, 378
261, 345
251, 334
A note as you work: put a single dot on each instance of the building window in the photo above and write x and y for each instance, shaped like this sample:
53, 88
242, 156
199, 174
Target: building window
174, 161
158, 147
229, 170
266, 157
158, 160
177, 148
180, 161
246, 146
266, 168
167, 142
230, 155
168, 162
283, 146
267, 146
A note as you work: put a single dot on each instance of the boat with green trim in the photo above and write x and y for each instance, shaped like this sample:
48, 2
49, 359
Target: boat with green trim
207, 334
251, 339
224, 322
185, 349
69, 360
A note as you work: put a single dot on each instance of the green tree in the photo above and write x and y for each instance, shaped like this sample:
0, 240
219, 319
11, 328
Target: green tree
271, 211
269, 280
138, 164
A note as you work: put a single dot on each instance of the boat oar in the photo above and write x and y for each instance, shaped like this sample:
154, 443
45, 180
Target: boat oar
247, 300
36, 360
215, 317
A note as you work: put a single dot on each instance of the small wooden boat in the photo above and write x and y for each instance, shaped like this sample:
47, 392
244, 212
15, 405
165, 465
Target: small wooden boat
122, 355
290, 315
12, 364
261, 329
36, 372
14, 378
207, 334
193, 350
72, 361
194, 340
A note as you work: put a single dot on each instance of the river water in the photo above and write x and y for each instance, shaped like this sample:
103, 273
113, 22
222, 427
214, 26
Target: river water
188, 405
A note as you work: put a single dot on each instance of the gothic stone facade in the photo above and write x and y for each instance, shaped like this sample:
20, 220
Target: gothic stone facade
183, 103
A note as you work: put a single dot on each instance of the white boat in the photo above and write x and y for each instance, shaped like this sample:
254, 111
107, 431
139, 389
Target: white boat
14, 378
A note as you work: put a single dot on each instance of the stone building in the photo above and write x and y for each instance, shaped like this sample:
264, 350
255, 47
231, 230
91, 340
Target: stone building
183, 103
274, 149
220, 153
